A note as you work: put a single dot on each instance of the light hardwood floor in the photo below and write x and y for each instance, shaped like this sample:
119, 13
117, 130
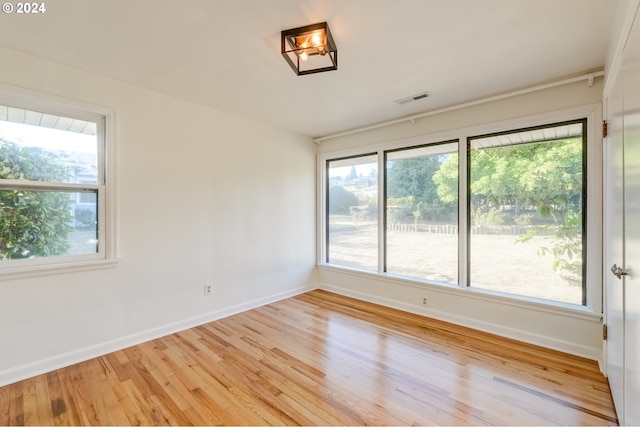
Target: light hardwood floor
319, 359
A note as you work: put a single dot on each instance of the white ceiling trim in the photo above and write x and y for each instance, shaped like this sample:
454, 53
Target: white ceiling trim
588, 77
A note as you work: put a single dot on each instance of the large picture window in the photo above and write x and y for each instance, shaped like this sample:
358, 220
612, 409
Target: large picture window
504, 213
52, 185
527, 216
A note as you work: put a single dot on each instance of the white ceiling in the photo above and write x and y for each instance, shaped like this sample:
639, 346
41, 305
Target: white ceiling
226, 53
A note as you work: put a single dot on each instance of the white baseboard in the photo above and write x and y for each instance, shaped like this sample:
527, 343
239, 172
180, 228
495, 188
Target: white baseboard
493, 328
59, 361
29, 370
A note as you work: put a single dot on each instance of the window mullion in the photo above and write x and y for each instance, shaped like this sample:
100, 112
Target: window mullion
463, 214
382, 207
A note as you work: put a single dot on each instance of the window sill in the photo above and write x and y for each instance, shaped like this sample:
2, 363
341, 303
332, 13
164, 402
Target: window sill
22, 272
520, 301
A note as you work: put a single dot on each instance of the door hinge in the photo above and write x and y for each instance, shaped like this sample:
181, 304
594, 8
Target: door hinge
605, 332
605, 129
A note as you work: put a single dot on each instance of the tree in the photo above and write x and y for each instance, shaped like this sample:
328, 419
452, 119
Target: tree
546, 177
553, 180
341, 200
413, 180
554, 186
33, 223
352, 174
446, 180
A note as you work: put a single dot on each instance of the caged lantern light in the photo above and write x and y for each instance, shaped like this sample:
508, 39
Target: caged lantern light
310, 49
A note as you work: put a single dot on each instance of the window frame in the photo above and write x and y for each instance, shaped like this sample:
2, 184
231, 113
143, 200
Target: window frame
585, 187
327, 206
593, 168
385, 159
104, 118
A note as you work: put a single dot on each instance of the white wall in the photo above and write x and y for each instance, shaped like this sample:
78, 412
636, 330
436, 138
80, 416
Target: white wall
537, 102
577, 331
203, 197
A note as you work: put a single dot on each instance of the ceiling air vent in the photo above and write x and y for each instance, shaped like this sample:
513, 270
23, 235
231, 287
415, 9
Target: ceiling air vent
412, 98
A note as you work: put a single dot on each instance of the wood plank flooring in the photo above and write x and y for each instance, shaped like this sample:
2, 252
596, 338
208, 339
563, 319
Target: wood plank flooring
319, 359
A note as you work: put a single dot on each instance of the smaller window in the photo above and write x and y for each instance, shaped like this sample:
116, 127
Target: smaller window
52, 186
421, 212
352, 212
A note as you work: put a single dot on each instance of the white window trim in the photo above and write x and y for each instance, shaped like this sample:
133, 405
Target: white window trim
106, 257
593, 114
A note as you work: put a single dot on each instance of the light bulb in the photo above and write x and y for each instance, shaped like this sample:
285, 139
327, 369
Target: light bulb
304, 56
316, 40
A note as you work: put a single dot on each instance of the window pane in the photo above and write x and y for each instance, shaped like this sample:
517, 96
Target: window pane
352, 226
422, 212
527, 216
44, 147
37, 224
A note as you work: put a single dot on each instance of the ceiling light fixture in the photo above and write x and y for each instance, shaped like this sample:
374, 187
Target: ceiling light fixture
310, 49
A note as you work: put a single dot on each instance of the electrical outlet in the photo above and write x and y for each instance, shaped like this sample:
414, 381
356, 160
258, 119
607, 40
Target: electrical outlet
424, 300
208, 290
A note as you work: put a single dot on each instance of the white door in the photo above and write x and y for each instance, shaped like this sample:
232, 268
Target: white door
622, 227
631, 73
614, 244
